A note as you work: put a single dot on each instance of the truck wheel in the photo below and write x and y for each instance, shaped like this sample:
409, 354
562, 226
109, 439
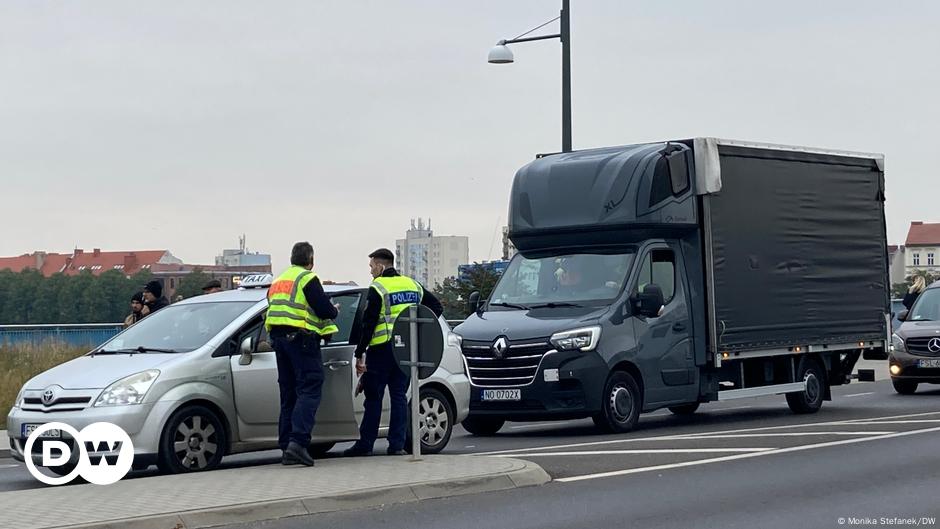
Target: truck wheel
318, 450
192, 440
622, 404
482, 426
685, 409
904, 387
811, 399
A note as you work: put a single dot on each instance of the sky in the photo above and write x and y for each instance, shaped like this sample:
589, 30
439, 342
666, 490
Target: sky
180, 125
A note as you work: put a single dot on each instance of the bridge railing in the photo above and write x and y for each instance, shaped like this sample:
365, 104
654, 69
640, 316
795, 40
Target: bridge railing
77, 335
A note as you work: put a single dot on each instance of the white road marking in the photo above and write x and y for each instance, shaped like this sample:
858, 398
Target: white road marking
859, 394
920, 421
538, 425
644, 451
470, 446
742, 456
855, 422
771, 434
8, 466
732, 408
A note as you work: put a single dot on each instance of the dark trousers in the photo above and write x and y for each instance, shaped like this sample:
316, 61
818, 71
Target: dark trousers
382, 371
300, 377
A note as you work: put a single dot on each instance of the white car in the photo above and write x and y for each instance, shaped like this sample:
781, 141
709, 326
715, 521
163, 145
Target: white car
198, 380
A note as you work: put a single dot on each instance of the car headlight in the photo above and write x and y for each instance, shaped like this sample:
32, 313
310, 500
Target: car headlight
129, 390
897, 343
454, 340
584, 339
19, 397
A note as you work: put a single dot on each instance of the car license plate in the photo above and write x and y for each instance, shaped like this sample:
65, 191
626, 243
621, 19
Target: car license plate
929, 363
502, 394
28, 429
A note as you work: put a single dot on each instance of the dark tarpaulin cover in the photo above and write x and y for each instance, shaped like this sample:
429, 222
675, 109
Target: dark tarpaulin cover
798, 249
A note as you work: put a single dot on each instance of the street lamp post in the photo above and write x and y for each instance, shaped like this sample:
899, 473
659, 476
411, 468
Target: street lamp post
501, 54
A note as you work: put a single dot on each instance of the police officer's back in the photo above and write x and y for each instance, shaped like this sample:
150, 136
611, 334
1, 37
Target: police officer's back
299, 315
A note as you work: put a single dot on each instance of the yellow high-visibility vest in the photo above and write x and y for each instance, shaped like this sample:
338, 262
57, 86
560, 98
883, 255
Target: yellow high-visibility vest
287, 304
398, 293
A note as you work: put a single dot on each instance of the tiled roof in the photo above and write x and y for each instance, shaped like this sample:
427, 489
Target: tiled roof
921, 234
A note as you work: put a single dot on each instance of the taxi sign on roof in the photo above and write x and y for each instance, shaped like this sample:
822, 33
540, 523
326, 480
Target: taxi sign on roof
256, 281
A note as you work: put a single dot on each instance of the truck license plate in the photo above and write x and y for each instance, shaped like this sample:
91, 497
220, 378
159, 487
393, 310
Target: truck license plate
502, 394
28, 429
929, 363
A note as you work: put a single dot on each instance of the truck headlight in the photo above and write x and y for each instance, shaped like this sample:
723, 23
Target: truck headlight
897, 344
128, 390
584, 339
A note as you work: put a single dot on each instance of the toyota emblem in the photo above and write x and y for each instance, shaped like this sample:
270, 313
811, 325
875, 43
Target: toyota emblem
500, 347
934, 345
48, 396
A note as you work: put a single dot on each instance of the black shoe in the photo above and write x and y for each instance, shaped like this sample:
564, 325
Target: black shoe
399, 452
296, 454
356, 451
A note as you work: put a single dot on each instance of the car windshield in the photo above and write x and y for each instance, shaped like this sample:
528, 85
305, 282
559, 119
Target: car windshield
561, 280
178, 328
927, 307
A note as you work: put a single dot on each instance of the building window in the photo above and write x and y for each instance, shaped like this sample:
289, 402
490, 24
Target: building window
916, 259
930, 259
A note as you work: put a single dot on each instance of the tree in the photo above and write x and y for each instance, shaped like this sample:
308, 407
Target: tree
192, 284
454, 292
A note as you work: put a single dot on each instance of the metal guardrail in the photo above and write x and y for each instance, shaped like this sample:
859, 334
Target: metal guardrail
78, 335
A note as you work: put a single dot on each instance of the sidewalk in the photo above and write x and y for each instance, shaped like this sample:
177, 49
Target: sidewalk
267, 492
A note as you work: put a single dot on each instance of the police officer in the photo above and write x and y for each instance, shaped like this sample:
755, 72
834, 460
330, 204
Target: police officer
389, 295
299, 315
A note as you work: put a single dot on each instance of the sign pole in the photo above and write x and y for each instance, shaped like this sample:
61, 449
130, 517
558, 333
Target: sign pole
415, 385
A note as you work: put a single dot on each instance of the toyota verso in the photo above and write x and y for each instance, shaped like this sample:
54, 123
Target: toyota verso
915, 355
198, 380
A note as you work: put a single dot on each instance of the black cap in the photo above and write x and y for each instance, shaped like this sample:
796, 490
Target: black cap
154, 287
138, 297
215, 283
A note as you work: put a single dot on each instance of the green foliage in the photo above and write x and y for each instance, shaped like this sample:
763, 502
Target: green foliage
28, 297
455, 292
898, 290
192, 284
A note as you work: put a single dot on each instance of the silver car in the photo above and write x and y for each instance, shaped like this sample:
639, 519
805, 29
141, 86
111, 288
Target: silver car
198, 380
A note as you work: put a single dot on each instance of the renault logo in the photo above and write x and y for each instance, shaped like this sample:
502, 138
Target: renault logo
49, 395
934, 345
500, 347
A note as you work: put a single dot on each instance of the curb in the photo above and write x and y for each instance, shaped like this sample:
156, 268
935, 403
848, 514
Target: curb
527, 476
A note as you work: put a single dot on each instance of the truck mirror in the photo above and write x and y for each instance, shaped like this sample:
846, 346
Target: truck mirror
650, 302
245, 349
903, 315
473, 302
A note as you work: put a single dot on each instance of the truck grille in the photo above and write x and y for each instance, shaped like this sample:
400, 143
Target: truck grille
517, 366
919, 346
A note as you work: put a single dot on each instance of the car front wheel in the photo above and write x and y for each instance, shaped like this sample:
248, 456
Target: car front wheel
193, 440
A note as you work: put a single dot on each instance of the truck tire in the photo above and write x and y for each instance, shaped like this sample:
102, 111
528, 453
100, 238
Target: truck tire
622, 404
193, 440
810, 400
904, 387
684, 409
483, 426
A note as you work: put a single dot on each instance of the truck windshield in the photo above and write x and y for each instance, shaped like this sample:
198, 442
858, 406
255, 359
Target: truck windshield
927, 307
562, 280
178, 328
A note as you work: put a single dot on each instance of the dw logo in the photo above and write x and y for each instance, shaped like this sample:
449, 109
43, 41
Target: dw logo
105, 453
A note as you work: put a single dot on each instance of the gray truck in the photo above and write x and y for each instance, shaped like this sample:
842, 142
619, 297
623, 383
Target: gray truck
669, 274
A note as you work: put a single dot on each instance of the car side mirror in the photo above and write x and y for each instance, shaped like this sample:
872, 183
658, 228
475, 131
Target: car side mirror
650, 302
245, 350
903, 315
473, 302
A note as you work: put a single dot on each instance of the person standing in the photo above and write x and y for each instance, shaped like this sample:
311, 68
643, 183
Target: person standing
299, 315
153, 297
137, 306
389, 294
920, 284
